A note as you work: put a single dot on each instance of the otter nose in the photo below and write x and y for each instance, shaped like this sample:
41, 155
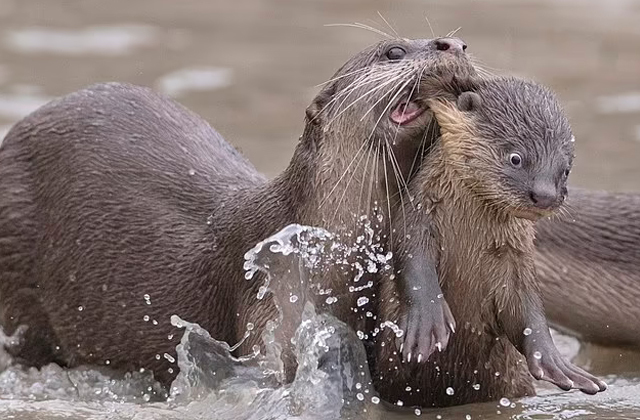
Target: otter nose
543, 195
453, 45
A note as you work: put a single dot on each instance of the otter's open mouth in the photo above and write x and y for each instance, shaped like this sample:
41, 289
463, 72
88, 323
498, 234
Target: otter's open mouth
406, 111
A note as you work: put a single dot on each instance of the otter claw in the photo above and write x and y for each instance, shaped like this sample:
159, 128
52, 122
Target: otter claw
419, 357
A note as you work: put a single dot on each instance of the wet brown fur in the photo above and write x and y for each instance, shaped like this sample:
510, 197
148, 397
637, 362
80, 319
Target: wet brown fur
114, 192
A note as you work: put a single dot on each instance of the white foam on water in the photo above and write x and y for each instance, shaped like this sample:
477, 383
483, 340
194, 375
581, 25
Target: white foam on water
194, 79
107, 40
14, 106
619, 104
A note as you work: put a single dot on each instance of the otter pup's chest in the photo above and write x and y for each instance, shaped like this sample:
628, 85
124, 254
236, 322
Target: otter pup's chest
482, 258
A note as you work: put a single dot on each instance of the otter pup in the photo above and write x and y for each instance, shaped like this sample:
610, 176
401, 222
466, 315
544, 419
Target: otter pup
120, 208
502, 162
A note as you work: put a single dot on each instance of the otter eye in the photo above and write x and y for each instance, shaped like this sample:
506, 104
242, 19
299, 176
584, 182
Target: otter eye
567, 172
515, 159
396, 53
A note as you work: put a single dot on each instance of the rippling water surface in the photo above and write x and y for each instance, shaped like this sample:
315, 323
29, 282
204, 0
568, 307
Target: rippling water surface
250, 68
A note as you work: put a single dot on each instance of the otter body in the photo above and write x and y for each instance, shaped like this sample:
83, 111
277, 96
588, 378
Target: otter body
501, 163
588, 263
120, 208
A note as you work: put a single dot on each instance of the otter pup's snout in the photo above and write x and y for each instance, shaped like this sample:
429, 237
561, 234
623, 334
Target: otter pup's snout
544, 195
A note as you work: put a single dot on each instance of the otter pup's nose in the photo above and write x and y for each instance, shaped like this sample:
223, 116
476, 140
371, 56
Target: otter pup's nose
454, 45
543, 195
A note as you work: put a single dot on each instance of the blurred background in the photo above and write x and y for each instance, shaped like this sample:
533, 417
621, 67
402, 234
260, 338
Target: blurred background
250, 67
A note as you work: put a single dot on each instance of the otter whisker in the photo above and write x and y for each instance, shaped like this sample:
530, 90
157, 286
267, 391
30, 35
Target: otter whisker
364, 95
455, 31
364, 144
347, 91
433, 34
384, 112
353, 174
386, 184
361, 26
343, 76
390, 27
381, 98
363, 182
400, 182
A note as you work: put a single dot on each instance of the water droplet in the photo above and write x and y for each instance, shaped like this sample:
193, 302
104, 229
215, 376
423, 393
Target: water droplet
154, 322
146, 397
527, 331
505, 402
375, 400
169, 357
80, 308
157, 357
107, 362
293, 298
476, 387
330, 300
467, 417
192, 172
250, 326
360, 335
72, 278
210, 220
450, 391
417, 411
362, 300
399, 403
408, 388
360, 396
537, 355
146, 318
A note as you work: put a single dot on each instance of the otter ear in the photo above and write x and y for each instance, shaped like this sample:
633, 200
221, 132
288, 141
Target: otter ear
469, 101
319, 102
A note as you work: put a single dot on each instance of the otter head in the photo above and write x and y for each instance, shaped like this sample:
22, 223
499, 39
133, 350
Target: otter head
511, 141
373, 104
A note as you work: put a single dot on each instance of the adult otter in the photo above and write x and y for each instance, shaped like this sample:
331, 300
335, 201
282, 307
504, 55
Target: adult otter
588, 262
501, 163
119, 208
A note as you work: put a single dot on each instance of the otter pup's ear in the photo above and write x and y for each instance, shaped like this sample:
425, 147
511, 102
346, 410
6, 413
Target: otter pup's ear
319, 102
469, 101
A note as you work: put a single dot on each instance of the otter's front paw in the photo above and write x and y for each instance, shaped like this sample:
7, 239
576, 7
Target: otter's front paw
426, 328
551, 367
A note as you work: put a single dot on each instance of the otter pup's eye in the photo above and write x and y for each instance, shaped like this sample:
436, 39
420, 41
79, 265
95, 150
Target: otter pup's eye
396, 53
515, 159
567, 172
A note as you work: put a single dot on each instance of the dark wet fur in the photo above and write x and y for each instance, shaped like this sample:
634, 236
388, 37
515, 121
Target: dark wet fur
483, 253
114, 192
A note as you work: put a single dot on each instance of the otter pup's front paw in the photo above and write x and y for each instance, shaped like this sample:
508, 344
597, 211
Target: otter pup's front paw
551, 367
426, 328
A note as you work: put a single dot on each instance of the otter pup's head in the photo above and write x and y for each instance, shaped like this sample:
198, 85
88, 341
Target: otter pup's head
510, 140
374, 101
